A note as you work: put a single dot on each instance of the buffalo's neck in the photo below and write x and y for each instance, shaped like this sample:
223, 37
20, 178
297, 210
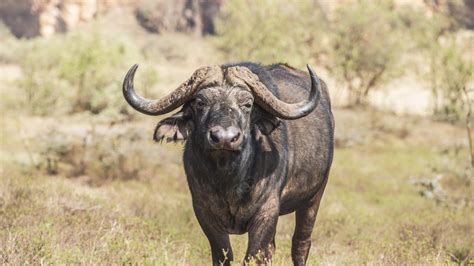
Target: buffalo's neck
232, 176
222, 170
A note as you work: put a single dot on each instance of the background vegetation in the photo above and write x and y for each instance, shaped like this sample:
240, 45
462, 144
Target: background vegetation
82, 182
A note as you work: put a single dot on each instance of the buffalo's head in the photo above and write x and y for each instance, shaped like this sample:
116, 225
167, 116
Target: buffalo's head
221, 107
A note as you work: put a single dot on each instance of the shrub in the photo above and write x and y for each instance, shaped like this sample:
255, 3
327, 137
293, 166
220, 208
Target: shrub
367, 45
459, 12
446, 57
7, 41
77, 72
360, 43
450, 74
100, 154
448, 61
271, 31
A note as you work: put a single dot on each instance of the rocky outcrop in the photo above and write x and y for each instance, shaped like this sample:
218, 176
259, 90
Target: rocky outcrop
18, 15
30, 18
189, 16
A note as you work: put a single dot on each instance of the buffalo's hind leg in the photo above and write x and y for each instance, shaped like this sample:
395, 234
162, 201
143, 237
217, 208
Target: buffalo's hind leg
305, 219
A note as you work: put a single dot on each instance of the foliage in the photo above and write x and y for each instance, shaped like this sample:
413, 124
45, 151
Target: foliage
6, 43
99, 154
271, 31
450, 73
80, 71
447, 58
367, 45
448, 69
361, 44
458, 12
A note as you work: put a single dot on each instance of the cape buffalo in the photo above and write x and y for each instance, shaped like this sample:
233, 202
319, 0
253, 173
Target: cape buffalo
258, 144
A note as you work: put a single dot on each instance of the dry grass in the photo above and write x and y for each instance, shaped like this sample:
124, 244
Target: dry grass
371, 212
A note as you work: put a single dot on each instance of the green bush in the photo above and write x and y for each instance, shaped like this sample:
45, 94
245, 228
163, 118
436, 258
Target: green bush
77, 72
446, 58
360, 43
366, 46
271, 31
450, 75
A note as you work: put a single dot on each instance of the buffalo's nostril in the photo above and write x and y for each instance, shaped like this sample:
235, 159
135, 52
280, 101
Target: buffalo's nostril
236, 138
214, 137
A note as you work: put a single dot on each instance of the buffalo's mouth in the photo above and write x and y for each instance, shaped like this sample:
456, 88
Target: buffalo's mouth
224, 157
225, 149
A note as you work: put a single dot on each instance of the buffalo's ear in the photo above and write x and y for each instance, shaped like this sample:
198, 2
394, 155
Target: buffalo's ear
174, 128
267, 124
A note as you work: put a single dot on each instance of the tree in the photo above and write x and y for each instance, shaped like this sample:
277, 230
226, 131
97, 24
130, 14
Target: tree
448, 56
454, 70
451, 73
271, 31
366, 47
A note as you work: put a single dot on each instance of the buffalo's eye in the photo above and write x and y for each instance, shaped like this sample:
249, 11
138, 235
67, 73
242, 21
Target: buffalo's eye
200, 103
247, 106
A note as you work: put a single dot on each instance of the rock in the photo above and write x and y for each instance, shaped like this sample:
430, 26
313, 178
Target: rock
189, 16
31, 18
18, 15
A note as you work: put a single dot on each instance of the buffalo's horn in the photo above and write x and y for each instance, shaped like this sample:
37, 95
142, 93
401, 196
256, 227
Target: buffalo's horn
206, 76
270, 103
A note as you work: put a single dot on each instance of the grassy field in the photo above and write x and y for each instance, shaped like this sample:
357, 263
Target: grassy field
383, 203
78, 187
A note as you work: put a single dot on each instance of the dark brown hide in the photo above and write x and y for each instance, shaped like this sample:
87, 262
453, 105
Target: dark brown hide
280, 167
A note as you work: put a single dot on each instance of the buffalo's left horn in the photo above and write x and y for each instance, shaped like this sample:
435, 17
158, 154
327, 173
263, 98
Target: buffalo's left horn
202, 77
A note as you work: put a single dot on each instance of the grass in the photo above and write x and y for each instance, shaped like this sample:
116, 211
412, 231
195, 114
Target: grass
371, 212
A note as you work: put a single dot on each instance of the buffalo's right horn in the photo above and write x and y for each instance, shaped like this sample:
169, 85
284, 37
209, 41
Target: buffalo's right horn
206, 76
270, 103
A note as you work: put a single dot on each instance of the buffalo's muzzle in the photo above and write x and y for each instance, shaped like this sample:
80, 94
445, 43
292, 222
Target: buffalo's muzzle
225, 138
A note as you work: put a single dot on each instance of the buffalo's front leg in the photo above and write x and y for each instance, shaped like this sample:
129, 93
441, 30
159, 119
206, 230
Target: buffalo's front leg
219, 241
262, 228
